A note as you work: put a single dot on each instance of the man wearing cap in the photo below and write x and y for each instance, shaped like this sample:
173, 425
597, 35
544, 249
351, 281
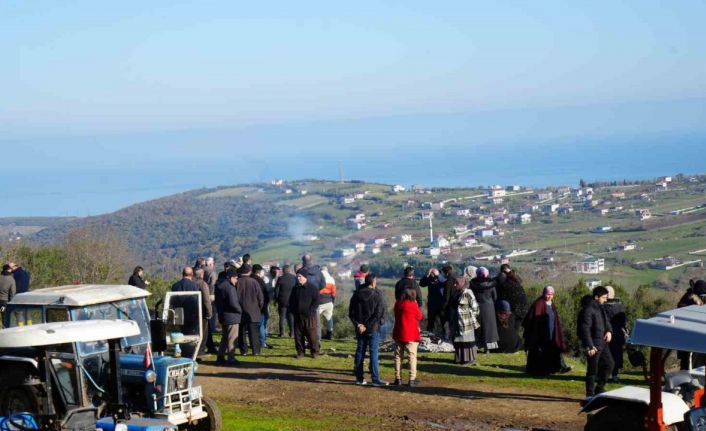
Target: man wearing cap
408, 282
594, 331
360, 275
251, 301
229, 314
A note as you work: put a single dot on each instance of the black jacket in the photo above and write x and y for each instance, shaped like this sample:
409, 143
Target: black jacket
185, 285
314, 276
228, 304
510, 289
22, 278
367, 307
266, 294
251, 298
592, 323
304, 301
618, 318
408, 283
283, 289
435, 291
484, 290
136, 281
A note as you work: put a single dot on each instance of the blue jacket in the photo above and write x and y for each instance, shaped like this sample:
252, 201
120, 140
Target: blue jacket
21, 279
185, 285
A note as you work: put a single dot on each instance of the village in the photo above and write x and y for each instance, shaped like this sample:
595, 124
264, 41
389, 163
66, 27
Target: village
597, 230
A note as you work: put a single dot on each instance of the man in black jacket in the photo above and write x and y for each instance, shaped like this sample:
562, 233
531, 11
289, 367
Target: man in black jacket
229, 314
304, 305
283, 290
367, 312
251, 301
594, 331
435, 298
408, 282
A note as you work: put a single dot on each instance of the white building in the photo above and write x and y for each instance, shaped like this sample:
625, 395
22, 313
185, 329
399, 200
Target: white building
405, 238
525, 218
496, 192
543, 196
463, 212
277, 182
591, 265
397, 188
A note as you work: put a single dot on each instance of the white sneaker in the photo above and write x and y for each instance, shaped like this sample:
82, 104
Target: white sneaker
361, 382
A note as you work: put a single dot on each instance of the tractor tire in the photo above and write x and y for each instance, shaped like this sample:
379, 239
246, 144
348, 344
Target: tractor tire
18, 399
617, 418
214, 421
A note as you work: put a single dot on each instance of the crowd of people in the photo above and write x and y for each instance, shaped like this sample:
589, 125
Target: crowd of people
469, 308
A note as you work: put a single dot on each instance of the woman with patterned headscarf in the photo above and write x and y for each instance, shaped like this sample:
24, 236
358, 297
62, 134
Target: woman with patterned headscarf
544, 338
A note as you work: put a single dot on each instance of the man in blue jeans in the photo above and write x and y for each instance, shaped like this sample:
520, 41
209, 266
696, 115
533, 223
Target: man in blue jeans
367, 312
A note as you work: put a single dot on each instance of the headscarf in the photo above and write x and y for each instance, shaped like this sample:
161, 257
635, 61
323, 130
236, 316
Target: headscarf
482, 272
470, 272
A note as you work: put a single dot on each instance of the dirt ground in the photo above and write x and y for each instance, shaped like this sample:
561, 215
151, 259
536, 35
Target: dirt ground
436, 404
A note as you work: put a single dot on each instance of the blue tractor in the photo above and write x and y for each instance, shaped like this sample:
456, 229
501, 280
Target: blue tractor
43, 385
157, 365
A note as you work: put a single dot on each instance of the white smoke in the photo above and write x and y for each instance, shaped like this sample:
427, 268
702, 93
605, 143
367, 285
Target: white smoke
298, 228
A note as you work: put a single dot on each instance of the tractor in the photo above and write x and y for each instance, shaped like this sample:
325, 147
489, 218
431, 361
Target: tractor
157, 364
673, 400
44, 384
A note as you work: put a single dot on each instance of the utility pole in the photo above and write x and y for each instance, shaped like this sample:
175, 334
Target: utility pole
340, 171
431, 229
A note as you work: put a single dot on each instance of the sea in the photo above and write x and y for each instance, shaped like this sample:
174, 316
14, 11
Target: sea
93, 192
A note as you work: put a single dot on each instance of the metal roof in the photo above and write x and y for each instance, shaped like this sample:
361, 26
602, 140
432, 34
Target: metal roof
47, 334
79, 294
678, 329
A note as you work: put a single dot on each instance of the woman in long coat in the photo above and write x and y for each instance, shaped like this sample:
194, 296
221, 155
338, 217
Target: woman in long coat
463, 321
483, 288
544, 338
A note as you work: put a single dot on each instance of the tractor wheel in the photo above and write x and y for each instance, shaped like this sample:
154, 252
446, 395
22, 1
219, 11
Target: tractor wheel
214, 420
619, 418
18, 399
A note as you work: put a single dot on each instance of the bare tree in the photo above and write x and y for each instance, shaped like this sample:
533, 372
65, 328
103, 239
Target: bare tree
93, 256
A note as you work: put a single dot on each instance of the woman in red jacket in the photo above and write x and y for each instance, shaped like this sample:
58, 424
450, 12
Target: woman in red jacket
406, 335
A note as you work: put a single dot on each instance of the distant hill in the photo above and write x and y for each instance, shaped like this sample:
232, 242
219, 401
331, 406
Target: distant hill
164, 233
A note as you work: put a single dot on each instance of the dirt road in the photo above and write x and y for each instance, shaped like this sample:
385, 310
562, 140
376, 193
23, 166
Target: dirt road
436, 404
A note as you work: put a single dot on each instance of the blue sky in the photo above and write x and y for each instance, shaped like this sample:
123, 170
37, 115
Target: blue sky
95, 86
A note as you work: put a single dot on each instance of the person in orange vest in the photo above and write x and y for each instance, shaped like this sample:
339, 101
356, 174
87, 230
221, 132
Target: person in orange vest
327, 297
